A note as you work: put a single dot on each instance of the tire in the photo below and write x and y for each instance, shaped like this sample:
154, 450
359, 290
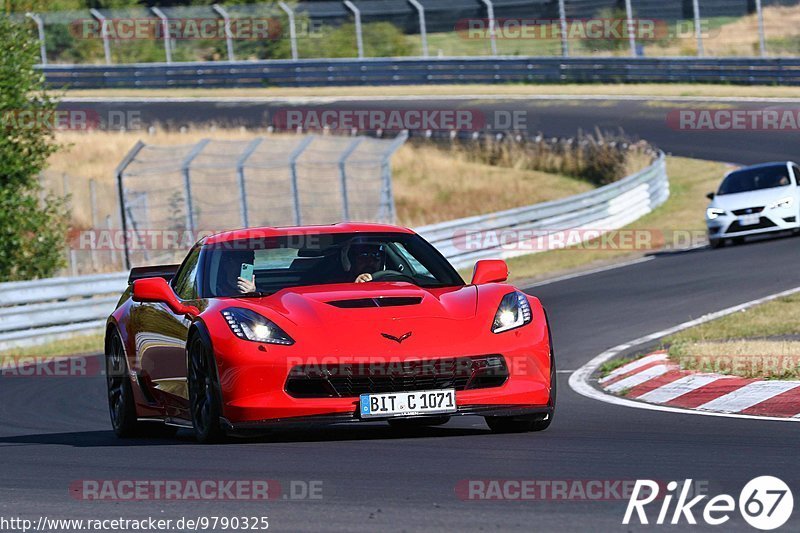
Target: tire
521, 424
715, 244
121, 403
204, 397
414, 423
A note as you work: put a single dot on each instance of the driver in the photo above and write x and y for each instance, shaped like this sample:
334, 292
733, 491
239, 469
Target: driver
230, 282
363, 260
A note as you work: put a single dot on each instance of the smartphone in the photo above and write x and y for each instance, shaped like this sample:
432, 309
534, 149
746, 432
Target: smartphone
247, 272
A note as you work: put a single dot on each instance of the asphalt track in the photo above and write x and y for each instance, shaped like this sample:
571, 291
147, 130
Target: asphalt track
54, 431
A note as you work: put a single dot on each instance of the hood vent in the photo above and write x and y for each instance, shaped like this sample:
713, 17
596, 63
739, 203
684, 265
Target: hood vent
389, 301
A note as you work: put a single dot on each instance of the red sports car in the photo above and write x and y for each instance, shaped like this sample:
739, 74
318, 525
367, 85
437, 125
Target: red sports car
342, 323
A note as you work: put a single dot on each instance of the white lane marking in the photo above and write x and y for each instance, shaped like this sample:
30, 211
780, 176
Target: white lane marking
424, 97
590, 272
748, 396
677, 388
637, 379
580, 380
633, 365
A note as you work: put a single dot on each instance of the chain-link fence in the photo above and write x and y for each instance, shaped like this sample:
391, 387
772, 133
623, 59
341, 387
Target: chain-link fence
170, 195
384, 28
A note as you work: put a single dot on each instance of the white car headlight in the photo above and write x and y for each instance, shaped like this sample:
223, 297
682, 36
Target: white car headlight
783, 202
714, 212
251, 326
514, 312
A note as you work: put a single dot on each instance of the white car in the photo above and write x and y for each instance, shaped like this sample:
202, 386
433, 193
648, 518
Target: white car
752, 200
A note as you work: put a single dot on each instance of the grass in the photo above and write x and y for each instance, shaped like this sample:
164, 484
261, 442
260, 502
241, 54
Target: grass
682, 215
757, 342
75, 345
711, 91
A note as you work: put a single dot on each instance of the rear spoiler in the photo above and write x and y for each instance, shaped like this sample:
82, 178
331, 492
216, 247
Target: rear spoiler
157, 271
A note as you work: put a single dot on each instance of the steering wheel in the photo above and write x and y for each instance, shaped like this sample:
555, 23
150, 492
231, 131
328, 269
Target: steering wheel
392, 275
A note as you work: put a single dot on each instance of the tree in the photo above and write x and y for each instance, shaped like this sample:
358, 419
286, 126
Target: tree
33, 225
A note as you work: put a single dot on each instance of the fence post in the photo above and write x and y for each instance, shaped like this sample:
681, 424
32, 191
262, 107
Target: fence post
121, 191
343, 175
93, 202
165, 25
562, 17
359, 37
103, 33
187, 181
386, 174
762, 40
698, 32
40, 28
298, 218
631, 27
292, 28
113, 251
423, 27
492, 35
248, 151
228, 34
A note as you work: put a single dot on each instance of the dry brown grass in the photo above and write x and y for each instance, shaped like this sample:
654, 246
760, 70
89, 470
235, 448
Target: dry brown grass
430, 185
740, 37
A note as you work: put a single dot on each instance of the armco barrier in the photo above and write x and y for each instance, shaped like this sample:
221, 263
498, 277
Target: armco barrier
605, 208
36, 311
400, 71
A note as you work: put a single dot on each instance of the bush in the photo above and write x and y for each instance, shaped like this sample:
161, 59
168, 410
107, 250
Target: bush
32, 228
599, 159
381, 39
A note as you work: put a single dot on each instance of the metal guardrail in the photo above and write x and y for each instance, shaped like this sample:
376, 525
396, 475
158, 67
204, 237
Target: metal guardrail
32, 312
532, 228
403, 71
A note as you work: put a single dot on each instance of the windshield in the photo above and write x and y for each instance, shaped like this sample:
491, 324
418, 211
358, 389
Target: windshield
276, 263
753, 179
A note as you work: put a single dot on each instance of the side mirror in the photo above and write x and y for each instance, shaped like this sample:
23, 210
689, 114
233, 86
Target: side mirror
489, 271
710, 196
158, 290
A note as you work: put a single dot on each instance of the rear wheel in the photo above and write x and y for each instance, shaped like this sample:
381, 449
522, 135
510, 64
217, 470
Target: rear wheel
204, 398
121, 404
413, 423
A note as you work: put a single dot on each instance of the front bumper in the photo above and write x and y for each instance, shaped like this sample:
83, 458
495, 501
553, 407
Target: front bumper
253, 377
353, 418
729, 225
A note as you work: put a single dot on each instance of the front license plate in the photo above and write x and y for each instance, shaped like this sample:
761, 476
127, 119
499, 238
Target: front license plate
749, 220
407, 403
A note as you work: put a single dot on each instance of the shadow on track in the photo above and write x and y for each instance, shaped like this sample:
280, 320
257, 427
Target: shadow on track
92, 439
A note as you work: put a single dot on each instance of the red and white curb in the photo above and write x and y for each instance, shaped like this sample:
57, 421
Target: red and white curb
656, 379
583, 380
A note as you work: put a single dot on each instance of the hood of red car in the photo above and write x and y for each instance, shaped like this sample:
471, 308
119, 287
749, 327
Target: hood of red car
369, 302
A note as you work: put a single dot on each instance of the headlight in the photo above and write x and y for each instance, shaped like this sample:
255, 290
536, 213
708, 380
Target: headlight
714, 212
783, 202
251, 326
514, 311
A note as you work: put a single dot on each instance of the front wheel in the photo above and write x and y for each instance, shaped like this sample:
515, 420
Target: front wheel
204, 399
716, 243
521, 424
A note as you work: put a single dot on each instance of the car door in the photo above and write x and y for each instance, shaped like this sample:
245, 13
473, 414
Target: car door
161, 346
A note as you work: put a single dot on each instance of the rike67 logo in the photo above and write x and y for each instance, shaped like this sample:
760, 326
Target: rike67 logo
766, 503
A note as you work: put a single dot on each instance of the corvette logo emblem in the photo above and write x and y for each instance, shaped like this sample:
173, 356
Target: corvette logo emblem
399, 339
